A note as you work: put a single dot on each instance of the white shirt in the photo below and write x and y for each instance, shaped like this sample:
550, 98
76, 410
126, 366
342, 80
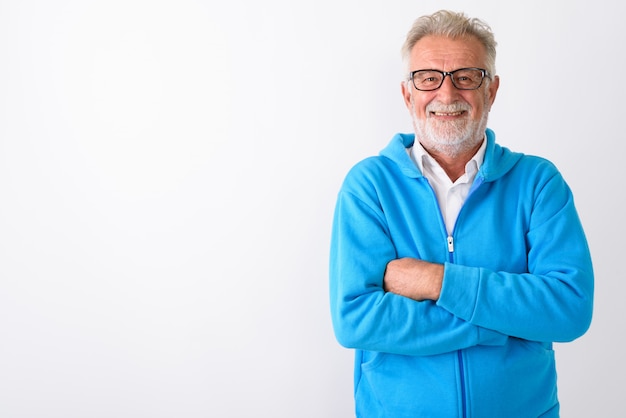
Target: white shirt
450, 196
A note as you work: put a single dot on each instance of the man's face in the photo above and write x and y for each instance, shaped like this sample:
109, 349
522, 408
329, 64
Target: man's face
448, 120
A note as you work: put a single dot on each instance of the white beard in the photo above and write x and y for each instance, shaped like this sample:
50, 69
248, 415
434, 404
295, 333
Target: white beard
451, 138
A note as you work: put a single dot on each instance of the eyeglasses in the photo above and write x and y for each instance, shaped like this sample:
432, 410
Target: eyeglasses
462, 79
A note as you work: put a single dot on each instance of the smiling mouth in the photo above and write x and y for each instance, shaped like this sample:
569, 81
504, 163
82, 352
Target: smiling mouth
459, 113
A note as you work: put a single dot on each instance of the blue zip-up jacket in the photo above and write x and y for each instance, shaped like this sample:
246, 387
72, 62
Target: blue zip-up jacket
517, 277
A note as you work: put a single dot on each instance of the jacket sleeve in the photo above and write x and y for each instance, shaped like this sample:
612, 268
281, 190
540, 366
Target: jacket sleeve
365, 316
553, 300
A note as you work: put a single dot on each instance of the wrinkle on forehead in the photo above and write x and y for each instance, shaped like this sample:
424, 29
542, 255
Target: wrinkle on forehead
447, 54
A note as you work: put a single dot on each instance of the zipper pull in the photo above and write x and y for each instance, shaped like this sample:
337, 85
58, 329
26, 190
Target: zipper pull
450, 244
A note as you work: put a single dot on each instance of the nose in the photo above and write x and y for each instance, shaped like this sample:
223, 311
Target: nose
447, 92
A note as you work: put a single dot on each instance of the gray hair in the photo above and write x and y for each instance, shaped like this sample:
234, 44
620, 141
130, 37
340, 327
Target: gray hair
452, 25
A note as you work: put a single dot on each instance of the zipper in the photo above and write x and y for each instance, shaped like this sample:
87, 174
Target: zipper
450, 244
450, 241
462, 373
450, 248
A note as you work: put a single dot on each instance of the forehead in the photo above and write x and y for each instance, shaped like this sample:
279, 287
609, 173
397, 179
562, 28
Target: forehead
447, 54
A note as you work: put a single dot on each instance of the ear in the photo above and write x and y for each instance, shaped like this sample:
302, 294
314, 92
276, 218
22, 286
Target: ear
406, 93
493, 90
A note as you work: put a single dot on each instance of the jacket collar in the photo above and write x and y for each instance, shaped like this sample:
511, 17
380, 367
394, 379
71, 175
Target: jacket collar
498, 160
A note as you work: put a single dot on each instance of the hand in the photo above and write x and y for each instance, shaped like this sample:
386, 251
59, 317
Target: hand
413, 278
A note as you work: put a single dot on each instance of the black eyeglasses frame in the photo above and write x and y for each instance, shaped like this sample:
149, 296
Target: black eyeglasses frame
484, 73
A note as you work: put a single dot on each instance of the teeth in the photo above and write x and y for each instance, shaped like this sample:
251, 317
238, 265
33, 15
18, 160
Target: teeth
448, 113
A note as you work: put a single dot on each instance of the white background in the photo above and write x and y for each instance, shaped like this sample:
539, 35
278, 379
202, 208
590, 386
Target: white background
168, 171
